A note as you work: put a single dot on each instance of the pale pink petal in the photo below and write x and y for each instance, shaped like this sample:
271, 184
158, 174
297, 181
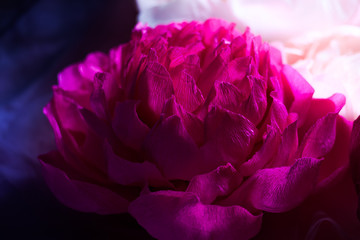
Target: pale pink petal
217, 183
81, 195
180, 215
127, 125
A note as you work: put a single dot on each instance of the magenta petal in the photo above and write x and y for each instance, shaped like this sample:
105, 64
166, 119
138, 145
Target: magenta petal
320, 138
239, 68
127, 125
97, 99
255, 106
193, 125
181, 215
287, 147
229, 137
132, 173
216, 71
80, 195
263, 155
277, 189
70, 79
302, 92
173, 150
153, 88
219, 182
94, 62
226, 95
187, 93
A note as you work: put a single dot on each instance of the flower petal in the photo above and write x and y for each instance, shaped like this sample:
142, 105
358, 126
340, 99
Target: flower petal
226, 95
180, 215
126, 172
153, 88
287, 147
127, 125
173, 150
187, 93
320, 138
229, 137
255, 106
301, 90
263, 155
80, 195
217, 183
277, 189
94, 63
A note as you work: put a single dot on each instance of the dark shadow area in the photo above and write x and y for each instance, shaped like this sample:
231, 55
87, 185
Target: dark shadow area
38, 38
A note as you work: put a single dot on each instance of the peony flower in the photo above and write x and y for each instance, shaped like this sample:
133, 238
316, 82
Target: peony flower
329, 60
200, 132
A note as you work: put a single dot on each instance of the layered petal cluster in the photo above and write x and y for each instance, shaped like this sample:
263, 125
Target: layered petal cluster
196, 130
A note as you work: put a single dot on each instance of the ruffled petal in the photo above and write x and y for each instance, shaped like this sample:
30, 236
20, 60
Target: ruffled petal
193, 125
255, 106
229, 137
263, 155
187, 93
277, 189
127, 125
126, 172
287, 148
217, 183
227, 96
301, 90
173, 150
94, 63
80, 195
215, 71
153, 88
181, 215
70, 79
320, 138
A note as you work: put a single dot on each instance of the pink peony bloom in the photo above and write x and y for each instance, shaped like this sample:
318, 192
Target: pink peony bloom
329, 60
201, 132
